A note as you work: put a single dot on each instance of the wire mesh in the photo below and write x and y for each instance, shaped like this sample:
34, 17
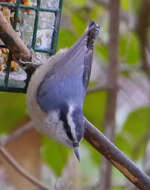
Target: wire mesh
37, 23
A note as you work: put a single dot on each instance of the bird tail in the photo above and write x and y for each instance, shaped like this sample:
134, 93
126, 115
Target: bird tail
91, 32
87, 40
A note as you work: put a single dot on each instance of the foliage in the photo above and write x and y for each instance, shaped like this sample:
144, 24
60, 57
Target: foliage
131, 136
12, 110
51, 154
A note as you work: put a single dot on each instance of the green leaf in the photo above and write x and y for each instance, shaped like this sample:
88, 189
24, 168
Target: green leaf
103, 50
117, 188
66, 39
136, 5
95, 156
129, 49
94, 110
78, 23
136, 124
132, 139
123, 46
94, 107
123, 143
54, 154
12, 110
125, 4
96, 12
77, 3
87, 164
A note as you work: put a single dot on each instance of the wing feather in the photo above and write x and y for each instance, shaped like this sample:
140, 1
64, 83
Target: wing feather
87, 68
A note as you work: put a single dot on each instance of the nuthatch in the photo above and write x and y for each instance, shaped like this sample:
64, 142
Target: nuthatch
57, 89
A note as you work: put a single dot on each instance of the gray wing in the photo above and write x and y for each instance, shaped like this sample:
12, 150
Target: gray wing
70, 75
87, 68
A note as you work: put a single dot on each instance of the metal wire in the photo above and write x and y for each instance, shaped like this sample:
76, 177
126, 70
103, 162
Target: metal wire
50, 50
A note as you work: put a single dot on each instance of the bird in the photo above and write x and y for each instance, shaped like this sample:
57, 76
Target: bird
57, 89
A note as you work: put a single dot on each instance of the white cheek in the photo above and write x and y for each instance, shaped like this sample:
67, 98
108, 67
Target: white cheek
54, 129
52, 118
71, 122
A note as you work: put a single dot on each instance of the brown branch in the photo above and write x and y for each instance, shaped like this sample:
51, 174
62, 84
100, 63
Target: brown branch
106, 167
113, 65
116, 157
13, 41
17, 47
104, 146
20, 170
143, 23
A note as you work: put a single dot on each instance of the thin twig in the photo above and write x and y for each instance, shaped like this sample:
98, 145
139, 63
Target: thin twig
27, 127
20, 170
12, 161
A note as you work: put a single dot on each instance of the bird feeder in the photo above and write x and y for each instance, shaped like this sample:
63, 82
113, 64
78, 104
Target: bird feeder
37, 22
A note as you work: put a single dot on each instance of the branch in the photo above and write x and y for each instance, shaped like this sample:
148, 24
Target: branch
12, 161
142, 31
109, 128
20, 170
17, 47
28, 126
117, 158
104, 146
13, 41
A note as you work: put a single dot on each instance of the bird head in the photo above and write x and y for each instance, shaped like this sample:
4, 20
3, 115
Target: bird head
73, 124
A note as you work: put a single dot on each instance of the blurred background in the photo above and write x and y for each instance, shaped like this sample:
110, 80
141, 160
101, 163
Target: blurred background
54, 164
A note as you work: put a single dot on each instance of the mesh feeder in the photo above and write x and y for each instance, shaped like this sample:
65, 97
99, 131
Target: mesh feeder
37, 23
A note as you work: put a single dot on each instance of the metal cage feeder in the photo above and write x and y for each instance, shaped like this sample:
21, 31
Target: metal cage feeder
37, 22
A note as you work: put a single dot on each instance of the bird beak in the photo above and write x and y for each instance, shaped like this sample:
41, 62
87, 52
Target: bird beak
76, 152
